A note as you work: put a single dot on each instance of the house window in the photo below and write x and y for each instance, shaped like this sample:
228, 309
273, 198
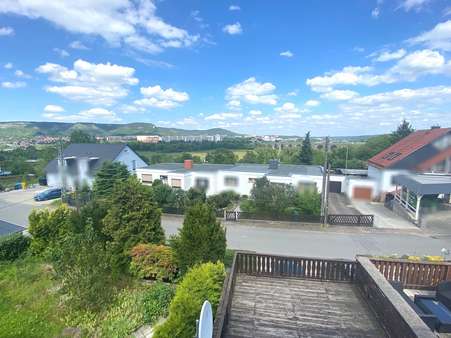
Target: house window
146, 178
252, 180
164, 179
176, 183
202, 183
231, 181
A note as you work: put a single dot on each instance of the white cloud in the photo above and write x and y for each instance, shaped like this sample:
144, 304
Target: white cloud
416, 5
287, 108
90, 82
255, 112
93, 114
61, 52
13, 85
287, 54
252, 92
156, 97
447, 11
21, 74
312, 103
6, 31
233, 29
375, 13
350, 75
8, 65
118, 21
234, 104
78, 45
437, 38
223, 116
420, 62
51, 108
339, 95
234, 8
293, 93
388, 56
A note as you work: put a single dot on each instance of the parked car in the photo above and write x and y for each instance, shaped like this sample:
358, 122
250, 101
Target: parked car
48, 194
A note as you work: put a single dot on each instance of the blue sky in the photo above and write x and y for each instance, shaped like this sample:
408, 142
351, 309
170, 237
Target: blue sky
258, 67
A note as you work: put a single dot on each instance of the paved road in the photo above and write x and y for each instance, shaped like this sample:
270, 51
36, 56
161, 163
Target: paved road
275, 237
16, 205
339, 204
330, 243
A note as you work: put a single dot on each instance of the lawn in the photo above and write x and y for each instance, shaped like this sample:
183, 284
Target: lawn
32, 306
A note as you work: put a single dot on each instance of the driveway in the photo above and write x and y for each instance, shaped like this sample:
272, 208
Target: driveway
438, 223
16, 205
384, 218
339, 204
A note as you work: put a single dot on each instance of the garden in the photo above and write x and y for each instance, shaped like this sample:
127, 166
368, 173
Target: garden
106, 268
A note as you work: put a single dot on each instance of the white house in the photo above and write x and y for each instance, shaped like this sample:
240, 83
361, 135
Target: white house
215, 178
81, 161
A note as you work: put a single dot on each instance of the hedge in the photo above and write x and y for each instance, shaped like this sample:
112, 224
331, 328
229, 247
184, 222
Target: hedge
13, 246
153, 261
201, 283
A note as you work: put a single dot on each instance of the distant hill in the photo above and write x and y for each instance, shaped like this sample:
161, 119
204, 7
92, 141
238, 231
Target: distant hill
28, 129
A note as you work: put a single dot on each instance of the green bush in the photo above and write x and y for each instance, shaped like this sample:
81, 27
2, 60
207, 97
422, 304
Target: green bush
48, 226
153, 261
201, 239
223, 199
201, 283
156, 302
13, 246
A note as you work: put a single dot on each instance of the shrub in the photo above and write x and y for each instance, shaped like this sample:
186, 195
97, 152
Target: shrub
156, 302
133, 218
48, 226
13, 246
309, 202
201, 239
153, 261
201, 283
108, 175
223, 199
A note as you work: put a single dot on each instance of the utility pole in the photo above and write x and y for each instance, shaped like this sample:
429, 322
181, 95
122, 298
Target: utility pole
326, 203
324, 185
61, 168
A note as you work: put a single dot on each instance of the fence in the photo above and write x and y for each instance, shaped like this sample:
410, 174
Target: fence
414, 275
358, 220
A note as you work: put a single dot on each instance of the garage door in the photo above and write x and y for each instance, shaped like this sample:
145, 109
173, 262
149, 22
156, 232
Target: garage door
362, 193
334, 186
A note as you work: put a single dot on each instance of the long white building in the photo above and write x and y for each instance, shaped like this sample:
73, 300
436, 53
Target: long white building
215, 178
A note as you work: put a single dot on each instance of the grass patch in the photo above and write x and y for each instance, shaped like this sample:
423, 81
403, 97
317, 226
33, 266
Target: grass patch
29, 303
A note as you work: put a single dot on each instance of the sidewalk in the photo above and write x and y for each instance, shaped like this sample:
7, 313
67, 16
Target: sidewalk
383, 217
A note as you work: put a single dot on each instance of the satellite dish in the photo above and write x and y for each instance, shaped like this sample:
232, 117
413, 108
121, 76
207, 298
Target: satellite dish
206, 321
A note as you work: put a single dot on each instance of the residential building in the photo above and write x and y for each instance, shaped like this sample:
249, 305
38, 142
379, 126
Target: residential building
81, 161
423, 151
215, 178
148, 138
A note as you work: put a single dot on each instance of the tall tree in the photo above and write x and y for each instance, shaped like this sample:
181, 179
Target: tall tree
306, 154
133, 217
222, 156
80, 136
403, 130
201, 239
109, 174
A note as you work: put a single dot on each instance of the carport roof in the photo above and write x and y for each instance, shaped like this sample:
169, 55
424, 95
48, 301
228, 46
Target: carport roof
7, 228
425, 184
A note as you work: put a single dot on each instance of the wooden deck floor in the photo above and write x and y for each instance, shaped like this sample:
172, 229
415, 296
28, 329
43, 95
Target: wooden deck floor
264, 307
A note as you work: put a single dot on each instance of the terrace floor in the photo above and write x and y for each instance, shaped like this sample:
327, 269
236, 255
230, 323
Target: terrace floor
264, 307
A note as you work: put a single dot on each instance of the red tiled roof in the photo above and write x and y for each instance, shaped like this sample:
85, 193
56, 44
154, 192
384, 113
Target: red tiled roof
406, 146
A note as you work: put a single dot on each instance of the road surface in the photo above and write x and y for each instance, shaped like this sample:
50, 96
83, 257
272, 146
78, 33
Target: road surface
330, 243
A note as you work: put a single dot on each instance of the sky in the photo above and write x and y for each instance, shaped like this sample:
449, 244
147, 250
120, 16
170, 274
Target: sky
337, 68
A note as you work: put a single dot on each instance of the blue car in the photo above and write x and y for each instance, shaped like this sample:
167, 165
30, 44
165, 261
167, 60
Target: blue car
48, 194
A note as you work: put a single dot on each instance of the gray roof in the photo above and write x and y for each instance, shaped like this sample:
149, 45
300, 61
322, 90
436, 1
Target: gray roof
7, 228
282, 170
425, 184
104, 151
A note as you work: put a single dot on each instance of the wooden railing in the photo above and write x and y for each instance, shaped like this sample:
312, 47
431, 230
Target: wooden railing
300, 267
391, 310
414, 275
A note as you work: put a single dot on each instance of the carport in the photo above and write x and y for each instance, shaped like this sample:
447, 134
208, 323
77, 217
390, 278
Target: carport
410, 189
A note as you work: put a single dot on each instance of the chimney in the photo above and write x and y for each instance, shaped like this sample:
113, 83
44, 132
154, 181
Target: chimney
188, 164
273, 164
